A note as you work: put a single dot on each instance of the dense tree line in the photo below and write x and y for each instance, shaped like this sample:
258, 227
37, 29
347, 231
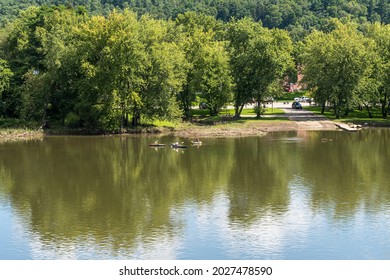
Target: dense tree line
297, 16
108, 72
348, 67
61, 65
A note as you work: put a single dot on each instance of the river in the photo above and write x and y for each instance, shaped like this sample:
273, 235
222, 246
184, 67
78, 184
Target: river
287, 195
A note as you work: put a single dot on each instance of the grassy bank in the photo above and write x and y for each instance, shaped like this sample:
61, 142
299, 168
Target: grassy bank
201, 124
355, 116
204, 125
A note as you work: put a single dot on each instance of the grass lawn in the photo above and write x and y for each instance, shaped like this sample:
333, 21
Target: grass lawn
291, 95
230, 112
225, 117
354, 116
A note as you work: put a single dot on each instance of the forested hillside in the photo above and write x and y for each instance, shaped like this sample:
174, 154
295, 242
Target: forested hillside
296, 15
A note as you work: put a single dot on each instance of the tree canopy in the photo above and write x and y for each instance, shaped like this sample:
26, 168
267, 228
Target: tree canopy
294, 15
63, 65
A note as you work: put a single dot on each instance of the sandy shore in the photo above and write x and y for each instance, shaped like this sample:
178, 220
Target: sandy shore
11, 135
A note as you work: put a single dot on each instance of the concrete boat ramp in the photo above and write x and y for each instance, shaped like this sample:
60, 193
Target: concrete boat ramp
347, 127
306, 120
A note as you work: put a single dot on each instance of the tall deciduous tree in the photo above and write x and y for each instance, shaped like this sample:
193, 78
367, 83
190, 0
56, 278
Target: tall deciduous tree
165, 71
336, 63
33, 45
130, 68
215, 82
49, 92
111, 58
208, 74
5, 75
381, 35
259, 57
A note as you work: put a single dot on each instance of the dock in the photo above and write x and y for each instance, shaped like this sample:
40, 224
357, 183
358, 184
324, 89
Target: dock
348, 127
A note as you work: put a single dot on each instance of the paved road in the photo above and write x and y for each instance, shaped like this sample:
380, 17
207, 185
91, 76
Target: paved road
305, 119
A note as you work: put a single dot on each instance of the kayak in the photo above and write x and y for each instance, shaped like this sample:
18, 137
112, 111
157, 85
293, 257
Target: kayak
157, 145
196, 142
178, 146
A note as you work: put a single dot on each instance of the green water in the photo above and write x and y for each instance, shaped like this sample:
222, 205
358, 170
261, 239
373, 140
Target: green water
290, 195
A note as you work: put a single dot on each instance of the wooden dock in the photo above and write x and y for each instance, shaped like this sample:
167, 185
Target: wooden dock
348, 127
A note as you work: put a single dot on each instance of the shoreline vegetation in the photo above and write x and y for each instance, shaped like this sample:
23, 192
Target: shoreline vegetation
199, 127
20, 134
202, 125
69, 70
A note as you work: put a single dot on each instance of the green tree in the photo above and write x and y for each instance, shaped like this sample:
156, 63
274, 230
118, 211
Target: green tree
381, 35
214, 75
110, 56
33, 45
22, 50
165, 72
208, 69
129, 68
259, 58
5, 76
336, 63
47, 92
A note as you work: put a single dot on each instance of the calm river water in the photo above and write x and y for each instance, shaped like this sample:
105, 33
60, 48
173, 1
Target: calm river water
289, 195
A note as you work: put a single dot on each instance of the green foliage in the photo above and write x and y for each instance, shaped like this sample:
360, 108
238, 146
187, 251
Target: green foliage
260, 58
208, 74
5, 75
72, 120
338, 65
35, 43
297, 16
381, 35
119, 68
35, 92
215, 79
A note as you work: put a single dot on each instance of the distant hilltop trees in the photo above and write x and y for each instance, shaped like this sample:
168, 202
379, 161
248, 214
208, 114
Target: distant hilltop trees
297, 16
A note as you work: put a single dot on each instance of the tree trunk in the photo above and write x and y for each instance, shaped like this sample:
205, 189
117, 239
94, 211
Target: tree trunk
240, 111
136, 118
337, 110
122, 116
346, 112
236, 109
388, 109
384, 109
258, 115
126, 119
323, 108
368, 111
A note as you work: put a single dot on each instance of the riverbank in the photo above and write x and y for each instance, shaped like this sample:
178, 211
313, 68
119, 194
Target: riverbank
224, 128
291, 120
242, 127
16, 134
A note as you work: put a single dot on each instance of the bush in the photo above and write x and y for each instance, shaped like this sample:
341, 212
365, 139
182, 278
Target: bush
72, 120
16, 123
